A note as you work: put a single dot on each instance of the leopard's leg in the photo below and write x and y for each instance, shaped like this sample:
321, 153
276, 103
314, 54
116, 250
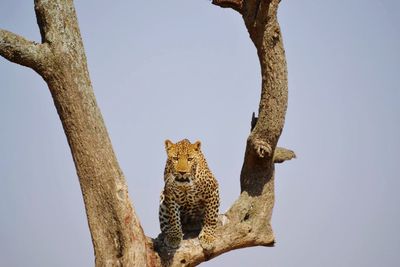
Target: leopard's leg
173, 230
163, 215
207, 234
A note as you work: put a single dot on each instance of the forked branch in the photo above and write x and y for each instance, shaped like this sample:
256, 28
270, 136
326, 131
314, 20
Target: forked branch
117, 235
19, 50
247, 222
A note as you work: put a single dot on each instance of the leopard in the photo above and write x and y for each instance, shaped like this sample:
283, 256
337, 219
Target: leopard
190, 198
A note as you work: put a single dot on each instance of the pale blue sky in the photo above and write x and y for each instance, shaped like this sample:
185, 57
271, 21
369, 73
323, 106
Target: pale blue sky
176, 69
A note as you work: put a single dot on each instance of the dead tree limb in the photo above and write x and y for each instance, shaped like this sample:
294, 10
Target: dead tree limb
117, 235
247, 222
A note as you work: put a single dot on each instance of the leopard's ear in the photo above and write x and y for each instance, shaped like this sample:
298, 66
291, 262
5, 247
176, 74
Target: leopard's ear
197, 145
168, 144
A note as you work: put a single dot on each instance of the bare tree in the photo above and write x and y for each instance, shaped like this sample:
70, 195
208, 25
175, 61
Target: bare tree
116, 232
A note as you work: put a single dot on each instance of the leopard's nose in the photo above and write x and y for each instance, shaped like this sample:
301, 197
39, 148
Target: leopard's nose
181, 173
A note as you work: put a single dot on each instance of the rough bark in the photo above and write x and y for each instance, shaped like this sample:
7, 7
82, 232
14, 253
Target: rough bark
247, 222
117, 235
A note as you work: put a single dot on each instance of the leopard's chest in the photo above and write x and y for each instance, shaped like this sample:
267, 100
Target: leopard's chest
190, 199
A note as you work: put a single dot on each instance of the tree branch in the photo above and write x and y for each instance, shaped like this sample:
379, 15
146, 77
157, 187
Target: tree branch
19, 50
234, 4
117, 235
48, 14
241, 226
283, 154
260, 18
247, 222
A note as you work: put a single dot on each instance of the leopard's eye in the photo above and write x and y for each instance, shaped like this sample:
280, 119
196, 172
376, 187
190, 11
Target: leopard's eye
175, 158
190, 159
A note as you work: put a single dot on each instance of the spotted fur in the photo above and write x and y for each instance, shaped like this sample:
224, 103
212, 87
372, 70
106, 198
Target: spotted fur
190, 197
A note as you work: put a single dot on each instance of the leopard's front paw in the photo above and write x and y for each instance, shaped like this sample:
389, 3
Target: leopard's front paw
207, 240
173, 241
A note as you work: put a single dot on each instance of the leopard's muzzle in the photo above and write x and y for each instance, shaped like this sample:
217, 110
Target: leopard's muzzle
183, 177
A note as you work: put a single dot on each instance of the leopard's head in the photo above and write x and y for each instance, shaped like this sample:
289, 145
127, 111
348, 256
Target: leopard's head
182, 159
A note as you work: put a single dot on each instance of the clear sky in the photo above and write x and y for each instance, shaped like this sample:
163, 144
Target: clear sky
187, 69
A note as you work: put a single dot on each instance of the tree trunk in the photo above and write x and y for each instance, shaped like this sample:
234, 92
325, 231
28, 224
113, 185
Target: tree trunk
117, 235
